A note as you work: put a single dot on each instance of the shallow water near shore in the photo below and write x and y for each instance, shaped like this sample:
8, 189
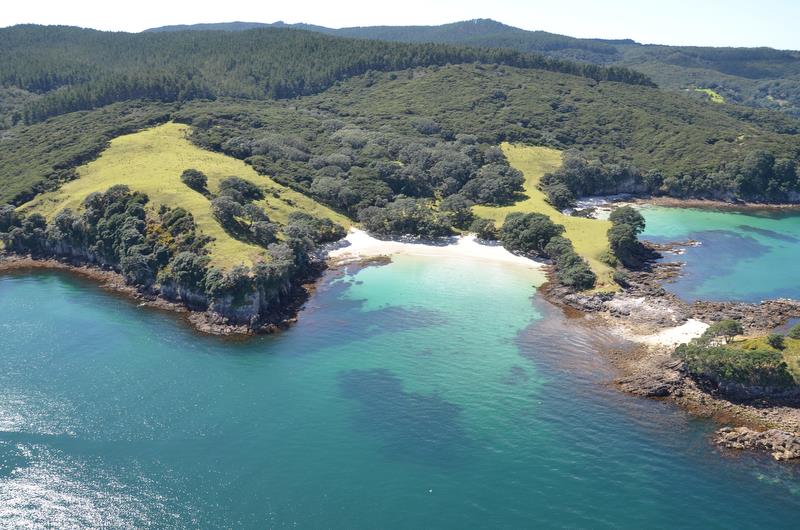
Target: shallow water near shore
745, 256
425, 393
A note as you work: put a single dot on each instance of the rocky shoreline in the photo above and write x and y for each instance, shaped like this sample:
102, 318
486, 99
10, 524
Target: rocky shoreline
206, 322
643, 308
712, 204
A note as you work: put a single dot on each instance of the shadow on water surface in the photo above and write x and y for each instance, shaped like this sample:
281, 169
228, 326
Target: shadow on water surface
411, 426
772, 234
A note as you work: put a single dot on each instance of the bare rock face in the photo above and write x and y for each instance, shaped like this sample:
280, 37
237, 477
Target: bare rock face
782, 445
762, 316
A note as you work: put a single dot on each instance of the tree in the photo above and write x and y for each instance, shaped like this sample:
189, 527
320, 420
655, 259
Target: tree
794, 333
571, 269
405, 216
559, 196
494, 184
727, 329
460, 210
627, 224
302, 225
240, 190
776, 340
263, 233
136, 269
195, 179
484, 228
528, 233
189, 270
226, 210
629, 216
8, 217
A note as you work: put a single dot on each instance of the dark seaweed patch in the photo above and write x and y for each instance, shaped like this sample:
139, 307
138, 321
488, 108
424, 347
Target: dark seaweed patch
411, 426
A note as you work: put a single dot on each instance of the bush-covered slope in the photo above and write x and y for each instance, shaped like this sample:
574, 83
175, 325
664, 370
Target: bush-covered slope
343, 146
42, 156
758, 77
78, 69
653, 129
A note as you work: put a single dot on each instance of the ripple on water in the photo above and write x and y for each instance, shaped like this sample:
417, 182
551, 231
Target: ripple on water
56, 491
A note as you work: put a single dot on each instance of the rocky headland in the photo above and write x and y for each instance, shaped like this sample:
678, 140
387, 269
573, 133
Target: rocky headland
657, 321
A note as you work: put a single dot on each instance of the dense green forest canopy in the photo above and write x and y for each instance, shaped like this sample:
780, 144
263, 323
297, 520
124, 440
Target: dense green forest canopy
427, 132
65, 69
758, 77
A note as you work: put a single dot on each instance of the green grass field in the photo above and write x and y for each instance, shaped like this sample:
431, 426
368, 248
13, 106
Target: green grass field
791, 353
587, 235
713, 96
151, 161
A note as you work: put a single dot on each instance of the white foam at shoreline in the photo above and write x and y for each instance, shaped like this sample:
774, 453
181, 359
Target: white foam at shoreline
362, 245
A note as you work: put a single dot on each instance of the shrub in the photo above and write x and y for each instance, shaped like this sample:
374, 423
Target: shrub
724, 328
794, 333
319, 230
240, 190
621, 279
776, 340
195, 179
726, 365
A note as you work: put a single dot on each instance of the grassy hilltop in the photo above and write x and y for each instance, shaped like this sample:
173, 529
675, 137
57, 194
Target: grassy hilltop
151, 161
587, 235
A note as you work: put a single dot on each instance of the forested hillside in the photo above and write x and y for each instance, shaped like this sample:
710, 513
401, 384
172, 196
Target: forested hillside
47, 71
758, 77
426, 132
623, 138
360, 140
401, 138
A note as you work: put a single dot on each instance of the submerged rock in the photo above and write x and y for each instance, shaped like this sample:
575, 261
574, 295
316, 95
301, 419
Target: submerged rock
661, 380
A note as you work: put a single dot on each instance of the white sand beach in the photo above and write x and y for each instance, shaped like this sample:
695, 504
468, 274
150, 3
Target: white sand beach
361, 245
673, 336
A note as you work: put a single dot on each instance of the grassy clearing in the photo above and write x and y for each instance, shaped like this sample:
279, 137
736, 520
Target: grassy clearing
713, 96
587, 235
151, 161
791, 353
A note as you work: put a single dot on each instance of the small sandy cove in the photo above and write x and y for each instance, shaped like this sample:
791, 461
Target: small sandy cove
360, 245
691, 329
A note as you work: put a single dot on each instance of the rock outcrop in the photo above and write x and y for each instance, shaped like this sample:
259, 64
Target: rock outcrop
782, 445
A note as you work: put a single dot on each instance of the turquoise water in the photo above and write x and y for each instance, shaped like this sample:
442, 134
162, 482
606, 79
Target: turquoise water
747, 257
422, 394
